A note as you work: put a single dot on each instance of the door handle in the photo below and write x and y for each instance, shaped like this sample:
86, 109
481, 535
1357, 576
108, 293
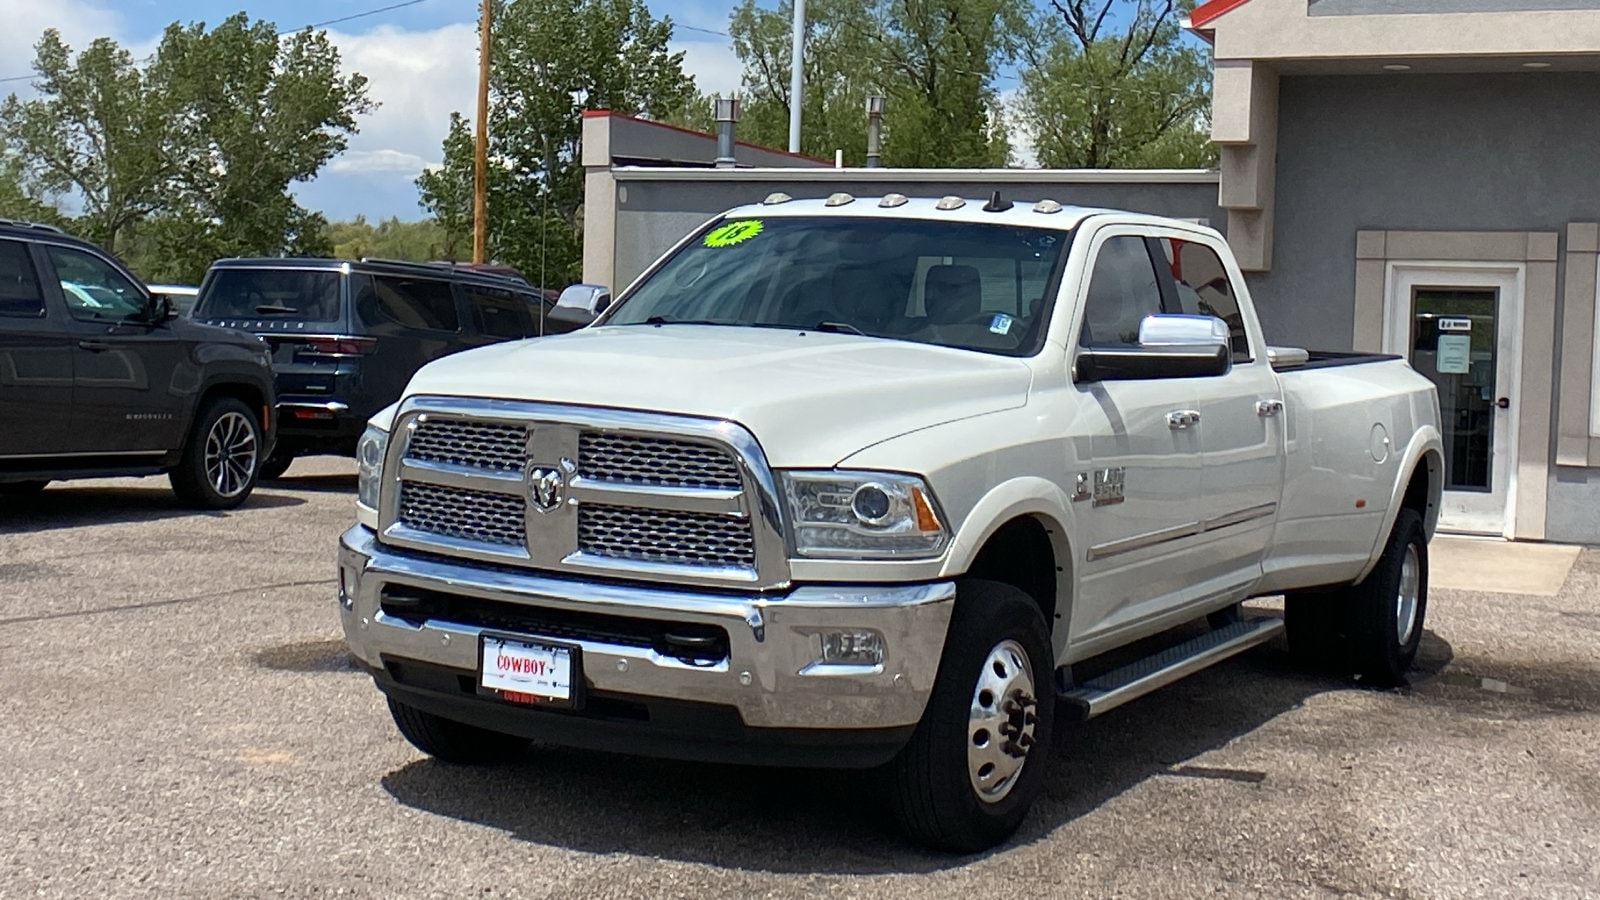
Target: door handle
1179, 419
1503, 403
94, 346
1266, 408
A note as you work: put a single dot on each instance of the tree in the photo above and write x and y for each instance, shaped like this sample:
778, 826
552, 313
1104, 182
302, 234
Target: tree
933, 60
550, 61
390, 239
20, 198
101, 128
1131, 94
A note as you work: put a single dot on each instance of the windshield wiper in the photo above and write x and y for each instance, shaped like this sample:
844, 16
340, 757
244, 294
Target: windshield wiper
276, 309
663, 320
838, 328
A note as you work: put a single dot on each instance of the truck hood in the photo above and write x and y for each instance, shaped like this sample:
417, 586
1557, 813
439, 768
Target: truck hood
811, 399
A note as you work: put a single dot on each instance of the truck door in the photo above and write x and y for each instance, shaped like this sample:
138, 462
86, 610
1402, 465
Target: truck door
35, 362
1138, 484
131, 381
1241, 419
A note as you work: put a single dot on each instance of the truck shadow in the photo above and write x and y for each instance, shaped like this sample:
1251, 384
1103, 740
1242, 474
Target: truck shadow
71, 506
335, 483
833, 822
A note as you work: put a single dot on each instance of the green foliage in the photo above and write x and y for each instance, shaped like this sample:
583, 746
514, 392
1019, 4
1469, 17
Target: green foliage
20, 198
389, 239
934, 61
1137, 95
550, 61
190, 158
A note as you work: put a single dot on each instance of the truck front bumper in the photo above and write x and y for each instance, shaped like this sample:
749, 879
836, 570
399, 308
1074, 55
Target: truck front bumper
771, 698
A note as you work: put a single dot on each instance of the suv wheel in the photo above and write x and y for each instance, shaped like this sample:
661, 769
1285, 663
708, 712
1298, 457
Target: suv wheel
277, 462
223, 457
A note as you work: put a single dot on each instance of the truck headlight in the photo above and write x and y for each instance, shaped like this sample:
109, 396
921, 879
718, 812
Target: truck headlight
863, 515
370, 451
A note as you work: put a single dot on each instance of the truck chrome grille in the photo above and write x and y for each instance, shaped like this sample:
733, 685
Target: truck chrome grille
583, 491
650, 460
664, 536
497, 446
485, 516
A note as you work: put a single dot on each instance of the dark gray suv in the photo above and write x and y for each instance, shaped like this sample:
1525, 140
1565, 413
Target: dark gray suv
98, 377
347, 335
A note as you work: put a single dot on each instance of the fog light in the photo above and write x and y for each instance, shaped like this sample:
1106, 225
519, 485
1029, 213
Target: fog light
852, 648
347, 587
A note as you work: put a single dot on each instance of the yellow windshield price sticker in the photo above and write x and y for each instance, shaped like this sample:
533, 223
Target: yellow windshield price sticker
733, 233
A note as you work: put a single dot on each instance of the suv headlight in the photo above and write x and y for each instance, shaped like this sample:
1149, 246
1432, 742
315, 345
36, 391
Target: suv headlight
370, 451
863, 515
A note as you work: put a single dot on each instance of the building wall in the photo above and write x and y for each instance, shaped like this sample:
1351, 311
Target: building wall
654, 209
1426, 152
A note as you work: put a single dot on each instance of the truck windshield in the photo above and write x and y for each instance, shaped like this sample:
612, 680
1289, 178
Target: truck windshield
301, 295
957, 284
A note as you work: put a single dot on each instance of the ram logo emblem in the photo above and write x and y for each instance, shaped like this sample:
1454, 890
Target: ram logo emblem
547, 485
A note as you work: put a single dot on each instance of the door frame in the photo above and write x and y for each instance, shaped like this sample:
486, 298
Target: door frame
1401, 277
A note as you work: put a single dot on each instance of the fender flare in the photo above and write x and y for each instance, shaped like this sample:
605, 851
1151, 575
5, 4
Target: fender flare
1017, 498
1426, 449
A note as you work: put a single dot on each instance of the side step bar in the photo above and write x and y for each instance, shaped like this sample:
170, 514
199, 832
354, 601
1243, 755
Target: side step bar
1134, 680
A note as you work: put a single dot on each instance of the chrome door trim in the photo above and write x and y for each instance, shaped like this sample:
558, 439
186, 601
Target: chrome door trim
1179, 532
1240, 516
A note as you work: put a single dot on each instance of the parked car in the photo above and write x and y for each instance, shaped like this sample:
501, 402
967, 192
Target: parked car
346, 335
181, 295
101, 377
875, 483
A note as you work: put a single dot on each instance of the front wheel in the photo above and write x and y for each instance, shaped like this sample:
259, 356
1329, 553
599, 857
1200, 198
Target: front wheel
277, 462
976, 762
223, 458
453, 742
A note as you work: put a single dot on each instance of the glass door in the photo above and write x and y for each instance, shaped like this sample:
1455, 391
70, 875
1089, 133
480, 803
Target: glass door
1458, 330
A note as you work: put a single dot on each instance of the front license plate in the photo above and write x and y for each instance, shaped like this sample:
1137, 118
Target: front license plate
528, 671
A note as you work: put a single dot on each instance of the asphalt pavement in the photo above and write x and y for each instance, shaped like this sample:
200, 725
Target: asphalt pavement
178, 719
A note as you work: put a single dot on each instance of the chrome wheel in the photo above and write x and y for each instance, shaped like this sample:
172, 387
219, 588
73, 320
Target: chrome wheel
1406, 598
1001, 724
230, 456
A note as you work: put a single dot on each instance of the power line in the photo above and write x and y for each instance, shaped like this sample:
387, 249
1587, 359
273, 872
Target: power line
281, 32
677, 27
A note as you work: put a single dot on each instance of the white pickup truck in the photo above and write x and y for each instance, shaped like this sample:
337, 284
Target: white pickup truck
884, 482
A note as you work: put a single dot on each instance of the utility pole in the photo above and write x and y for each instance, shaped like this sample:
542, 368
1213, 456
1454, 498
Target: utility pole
796, 76
480, 161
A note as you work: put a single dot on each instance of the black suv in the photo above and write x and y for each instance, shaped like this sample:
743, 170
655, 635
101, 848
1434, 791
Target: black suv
98, 377
347, 335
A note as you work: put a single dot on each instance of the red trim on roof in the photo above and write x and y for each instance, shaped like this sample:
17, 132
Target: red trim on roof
1210, 9
606, 113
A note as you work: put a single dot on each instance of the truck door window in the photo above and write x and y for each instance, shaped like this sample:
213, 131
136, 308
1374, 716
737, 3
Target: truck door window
1202, 287
1122, 291
20, 296
94, 290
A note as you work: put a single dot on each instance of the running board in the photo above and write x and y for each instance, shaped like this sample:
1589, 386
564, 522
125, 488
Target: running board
1134, 680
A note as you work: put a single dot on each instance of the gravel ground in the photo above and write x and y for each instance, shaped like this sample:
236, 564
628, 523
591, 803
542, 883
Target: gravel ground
178, 719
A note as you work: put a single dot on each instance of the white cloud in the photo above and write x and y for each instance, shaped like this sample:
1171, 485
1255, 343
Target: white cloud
1022, 153
25, 20
711, 61
377, 162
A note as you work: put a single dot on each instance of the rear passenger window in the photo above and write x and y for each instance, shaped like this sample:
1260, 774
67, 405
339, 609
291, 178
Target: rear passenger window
19, 285
499, 313
1203, 288
416, 302
1122, 291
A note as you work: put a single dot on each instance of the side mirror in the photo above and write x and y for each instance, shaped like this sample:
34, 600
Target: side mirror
159, 308
1170, 346
581, 304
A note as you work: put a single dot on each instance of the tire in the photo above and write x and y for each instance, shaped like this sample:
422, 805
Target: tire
1371, 629
1388, 608
933, 782
453, 742
21, 488
277, 463
222, 460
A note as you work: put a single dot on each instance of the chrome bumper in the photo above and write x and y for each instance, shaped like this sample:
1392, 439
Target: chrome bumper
773, 674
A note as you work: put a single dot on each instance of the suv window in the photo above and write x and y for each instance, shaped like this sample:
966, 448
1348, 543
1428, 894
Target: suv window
1203, 288
19, 284
499, 313
291, 295
417, 302
93, 289
1122, 291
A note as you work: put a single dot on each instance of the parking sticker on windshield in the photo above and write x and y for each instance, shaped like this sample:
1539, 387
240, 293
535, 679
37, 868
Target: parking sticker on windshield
1000, 324
733, 233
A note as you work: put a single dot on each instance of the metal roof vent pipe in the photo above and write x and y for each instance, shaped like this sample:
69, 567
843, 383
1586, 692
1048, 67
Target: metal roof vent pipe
727, 115
874, 131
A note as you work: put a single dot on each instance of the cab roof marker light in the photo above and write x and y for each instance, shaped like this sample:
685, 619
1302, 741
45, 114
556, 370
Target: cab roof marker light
890, 201
1047, 207
838, 199
776, 197
946, 204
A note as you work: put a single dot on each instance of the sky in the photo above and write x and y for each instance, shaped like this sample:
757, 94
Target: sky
420, 62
